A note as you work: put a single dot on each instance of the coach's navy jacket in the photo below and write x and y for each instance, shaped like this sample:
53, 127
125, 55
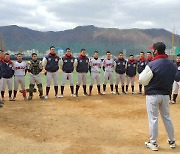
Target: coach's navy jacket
7, 69
141, 65
177, 77
52, 63
82, 64
68, 64
120, 66
158, 76
0, 68
131, 68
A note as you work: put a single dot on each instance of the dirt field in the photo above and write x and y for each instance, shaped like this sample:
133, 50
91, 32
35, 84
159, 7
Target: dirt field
107, 124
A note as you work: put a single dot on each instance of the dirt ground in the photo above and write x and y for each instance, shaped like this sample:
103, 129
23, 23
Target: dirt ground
109, 124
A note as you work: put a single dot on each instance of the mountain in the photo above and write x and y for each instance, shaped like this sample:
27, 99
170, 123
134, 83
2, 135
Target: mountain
89, 37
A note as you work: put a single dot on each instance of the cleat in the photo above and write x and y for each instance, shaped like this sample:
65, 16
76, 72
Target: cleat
104, 93
124, 92
152, 146
100, 93
73, 95
10, 99
173, 102
14, 99
60, 96
172, 144
133, 92
30, 98
42, 97
117, 93
112, 92
85, 94
46, 97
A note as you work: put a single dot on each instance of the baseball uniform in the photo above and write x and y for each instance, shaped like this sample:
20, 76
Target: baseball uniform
141, 64
82, 70
8, 72
51, 64
95, 69
131, 73
158, 77
35, 67
120, 70
108, 65
67, 68
19, 77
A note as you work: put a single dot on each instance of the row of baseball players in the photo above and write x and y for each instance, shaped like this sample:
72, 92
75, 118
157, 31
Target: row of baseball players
51, 63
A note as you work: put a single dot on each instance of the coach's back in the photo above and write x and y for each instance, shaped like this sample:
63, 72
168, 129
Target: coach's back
163, 77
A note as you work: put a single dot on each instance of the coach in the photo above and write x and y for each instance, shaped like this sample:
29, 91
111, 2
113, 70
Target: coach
158, 77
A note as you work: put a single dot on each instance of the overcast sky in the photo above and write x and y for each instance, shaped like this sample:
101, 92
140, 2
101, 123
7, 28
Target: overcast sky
57, 15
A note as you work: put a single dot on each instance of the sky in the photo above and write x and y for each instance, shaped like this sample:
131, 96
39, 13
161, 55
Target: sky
58, 15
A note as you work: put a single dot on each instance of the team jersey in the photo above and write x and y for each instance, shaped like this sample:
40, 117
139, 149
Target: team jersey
19, 68
108, 64
95, 65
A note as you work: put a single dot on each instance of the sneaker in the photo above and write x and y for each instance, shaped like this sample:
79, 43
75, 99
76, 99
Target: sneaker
133, 92
172, 144
117, 93
152, 146
104, 93
112, 92
75, 95
30, 98
46, 97
126, 92
85, 94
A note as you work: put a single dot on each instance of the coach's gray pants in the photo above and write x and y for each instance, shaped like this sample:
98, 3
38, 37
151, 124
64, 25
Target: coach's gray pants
82, 77
50, 76
161, 103
7, 83
130, 79
120, 77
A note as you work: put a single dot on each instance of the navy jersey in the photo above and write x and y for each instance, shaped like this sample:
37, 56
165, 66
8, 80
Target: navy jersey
177, 77
131, 68
52, 63
120, 66
82, 64
141, 64
68, 64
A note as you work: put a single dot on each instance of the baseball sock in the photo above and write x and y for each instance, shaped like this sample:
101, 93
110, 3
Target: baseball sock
140, 88
126, 88
90, 88
56, 90
62, 90
47, 91
169, 97
104, 87
116, 87
123, 89
72, 89
132, 88
111, 87
99, 88
2, 94
84, 88
15, 93
10, 93
174, 97
77, 89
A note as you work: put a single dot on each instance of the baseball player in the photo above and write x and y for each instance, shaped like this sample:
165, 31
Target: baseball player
141, 64
120, 70
51, 64
1, 81
148, 57
176, 83
35, 67
8, 73
108, 67
158, 77
82, 69
20, 69
67, 68
95, 68
131, 72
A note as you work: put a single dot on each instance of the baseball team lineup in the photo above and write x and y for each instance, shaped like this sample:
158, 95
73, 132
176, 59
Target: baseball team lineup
158, 79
